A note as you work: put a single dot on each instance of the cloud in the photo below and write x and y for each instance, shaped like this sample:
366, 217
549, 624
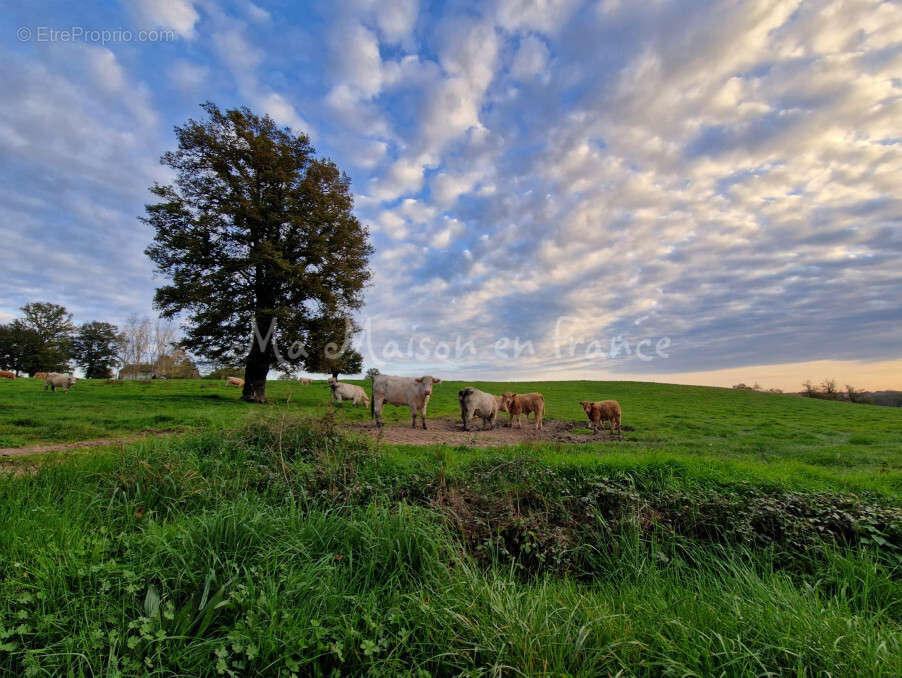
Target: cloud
723, 175
187, 76
178, 15
244, 59
531, 58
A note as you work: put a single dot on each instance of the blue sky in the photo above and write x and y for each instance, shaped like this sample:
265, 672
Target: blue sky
722, 175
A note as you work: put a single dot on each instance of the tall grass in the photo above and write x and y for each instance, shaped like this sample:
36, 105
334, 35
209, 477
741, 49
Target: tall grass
295, 551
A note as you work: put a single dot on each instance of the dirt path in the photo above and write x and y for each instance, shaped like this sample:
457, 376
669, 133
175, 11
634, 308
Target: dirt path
65, 447
449, 431
441, 431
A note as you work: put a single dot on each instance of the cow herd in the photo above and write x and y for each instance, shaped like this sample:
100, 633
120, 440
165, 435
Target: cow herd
414, 392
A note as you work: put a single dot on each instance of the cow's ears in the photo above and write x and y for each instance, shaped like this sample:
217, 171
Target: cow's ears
419, 380
436, 381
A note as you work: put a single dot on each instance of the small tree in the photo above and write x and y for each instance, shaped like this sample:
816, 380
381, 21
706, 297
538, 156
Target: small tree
829, 389
96, 349
372, 373
134, 347
257, 235
328, 348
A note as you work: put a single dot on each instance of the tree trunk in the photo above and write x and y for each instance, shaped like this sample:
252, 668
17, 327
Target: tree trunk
255, 371
334, 375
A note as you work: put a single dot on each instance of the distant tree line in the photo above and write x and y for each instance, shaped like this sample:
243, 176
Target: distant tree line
829, 390
45, 339
755, 387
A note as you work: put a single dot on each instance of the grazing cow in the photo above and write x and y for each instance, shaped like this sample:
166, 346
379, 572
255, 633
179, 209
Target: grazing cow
604, 411
40, 375
518, 404
355, 394
5, 374
476, 403
235, 381
55, 379
410, 391
305, 381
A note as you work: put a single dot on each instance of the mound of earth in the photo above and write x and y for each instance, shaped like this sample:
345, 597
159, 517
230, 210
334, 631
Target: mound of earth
450, 431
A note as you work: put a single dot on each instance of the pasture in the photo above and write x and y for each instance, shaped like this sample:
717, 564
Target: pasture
731, 533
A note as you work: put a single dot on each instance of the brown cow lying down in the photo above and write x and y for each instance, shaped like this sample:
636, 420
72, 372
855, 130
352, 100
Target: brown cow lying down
604, 411
305, 381
235, 381
518, 404
7, 375
40, 375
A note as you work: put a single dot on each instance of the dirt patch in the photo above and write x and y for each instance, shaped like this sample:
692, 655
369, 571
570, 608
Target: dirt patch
65, 447
450, 431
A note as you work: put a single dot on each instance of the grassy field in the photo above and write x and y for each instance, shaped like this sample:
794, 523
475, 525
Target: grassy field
732, 533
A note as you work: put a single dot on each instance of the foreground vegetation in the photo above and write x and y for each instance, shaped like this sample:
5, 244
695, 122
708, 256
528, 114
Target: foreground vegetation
733, 533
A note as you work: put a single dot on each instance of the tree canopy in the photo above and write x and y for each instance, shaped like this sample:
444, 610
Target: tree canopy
258, 237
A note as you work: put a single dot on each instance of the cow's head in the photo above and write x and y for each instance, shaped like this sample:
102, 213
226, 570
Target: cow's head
427, 383
507, 400
586, 406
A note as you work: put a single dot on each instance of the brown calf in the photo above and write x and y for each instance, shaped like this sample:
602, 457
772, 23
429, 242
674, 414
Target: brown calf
235, 381
604, 411
4, 374
518, 404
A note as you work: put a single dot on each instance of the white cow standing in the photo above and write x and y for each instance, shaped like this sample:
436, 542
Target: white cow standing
55, 379
411, 391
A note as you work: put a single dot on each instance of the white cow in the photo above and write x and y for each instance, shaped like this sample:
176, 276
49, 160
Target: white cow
476, 403
355, 394
54, 379
410, 391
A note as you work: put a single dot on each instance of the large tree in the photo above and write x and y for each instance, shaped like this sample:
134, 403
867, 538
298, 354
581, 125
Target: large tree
96, 348
53, 325
258, 236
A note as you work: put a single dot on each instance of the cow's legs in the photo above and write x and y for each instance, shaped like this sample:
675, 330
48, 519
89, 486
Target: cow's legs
423, 415
377, 410
413, 417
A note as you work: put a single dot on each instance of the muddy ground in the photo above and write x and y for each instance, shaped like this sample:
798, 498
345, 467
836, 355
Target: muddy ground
450, 431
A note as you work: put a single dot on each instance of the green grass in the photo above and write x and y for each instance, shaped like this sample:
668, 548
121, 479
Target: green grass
298, 552
731, 534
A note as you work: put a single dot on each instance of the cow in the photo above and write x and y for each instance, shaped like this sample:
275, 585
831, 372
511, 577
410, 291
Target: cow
5, 374
518, 404
54, 379
602, 411
476, 403
305, 381
235, 381
40, 375
400, 391
355, 394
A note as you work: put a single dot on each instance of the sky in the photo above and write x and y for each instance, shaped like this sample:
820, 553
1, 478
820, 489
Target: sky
697, 192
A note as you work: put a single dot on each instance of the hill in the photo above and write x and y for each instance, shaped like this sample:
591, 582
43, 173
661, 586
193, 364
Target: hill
732, 533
